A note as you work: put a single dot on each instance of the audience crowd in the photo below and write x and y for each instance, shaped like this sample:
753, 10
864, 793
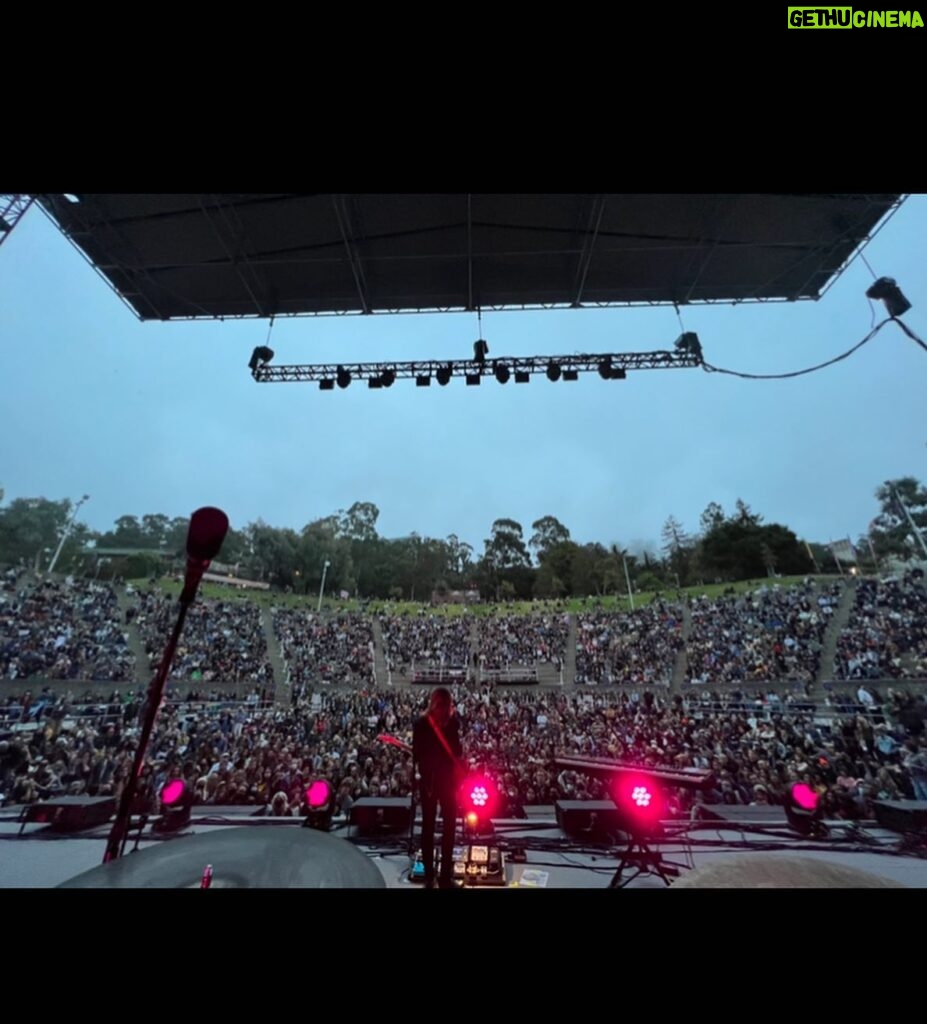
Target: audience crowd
327, 650
854, 749
772, 633
67, 629
755, 745
886, 636
523, 640
222, 641
427, 641
637, 647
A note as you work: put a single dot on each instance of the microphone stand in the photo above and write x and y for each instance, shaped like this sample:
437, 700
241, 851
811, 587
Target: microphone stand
413, 804
120, 830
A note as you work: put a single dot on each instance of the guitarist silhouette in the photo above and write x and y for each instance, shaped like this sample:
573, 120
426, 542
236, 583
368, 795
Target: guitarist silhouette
437, 753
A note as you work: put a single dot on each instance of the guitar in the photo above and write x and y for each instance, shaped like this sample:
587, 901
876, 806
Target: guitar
461, 767
386, 738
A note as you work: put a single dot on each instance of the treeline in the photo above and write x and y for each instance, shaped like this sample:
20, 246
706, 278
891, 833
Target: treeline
545, 563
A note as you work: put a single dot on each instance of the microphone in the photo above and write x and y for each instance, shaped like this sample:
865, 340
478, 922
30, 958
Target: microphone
208, 527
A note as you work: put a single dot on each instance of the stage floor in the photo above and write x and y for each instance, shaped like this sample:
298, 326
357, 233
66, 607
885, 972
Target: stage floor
747, 853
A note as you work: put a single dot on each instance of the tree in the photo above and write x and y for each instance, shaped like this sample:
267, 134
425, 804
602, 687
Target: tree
769, 558
547, 583
273, 553
588, 570
505, 549
712, 517
155, 529
674, 535
505, 559
615, 578
679, 550
548, 533
891, 531
739, 549
29, 525
128, 534
459, 559
744, 516
176, 536
359, 522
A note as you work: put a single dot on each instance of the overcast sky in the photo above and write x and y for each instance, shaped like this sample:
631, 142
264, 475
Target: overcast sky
155, 417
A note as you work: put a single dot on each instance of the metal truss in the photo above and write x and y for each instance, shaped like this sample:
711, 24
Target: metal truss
609, 366
12, 207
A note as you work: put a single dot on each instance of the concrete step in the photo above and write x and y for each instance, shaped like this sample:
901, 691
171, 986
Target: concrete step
381, 672
838, 622
569, 659
682, 658
136, 645
275, 655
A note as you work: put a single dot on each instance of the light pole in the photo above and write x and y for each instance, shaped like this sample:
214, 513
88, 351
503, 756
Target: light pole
67, 532
322, 587
907, 515
627, 579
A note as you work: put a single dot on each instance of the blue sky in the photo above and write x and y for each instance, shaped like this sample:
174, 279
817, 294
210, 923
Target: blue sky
155, 417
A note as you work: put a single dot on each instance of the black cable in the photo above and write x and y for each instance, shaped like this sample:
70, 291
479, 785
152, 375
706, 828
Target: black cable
708, 368
798, 373
907, 330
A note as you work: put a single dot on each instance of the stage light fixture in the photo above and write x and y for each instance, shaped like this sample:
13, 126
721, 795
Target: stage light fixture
480, 350
688, 344
502, 372
553, 371
373, 382
640, 802
319, 805
886, 289
387, 377
802, 809
478, 798
443, 375
261, 356
619, 374
605, 368
343, 377
473, 380
423, 381
570, 375
522, 376
176, 800
327, 384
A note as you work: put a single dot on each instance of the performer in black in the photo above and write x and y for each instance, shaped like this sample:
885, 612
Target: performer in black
437, 752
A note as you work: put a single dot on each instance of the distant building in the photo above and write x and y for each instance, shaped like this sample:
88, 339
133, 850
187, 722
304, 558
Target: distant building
455, 597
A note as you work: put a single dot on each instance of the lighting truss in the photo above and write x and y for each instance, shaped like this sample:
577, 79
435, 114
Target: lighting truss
617, 364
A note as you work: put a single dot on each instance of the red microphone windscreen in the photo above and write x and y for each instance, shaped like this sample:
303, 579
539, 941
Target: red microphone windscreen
208, 527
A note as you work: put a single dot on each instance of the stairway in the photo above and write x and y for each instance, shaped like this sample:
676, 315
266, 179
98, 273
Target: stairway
282, 693
143, 669
838, 621
473, 674
682, 658
569, 659
380, 671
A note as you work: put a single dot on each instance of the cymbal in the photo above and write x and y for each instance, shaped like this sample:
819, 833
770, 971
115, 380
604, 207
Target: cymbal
248, 857
761, 871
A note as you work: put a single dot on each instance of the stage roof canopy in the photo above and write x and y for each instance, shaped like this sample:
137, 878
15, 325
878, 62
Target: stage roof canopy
260, 255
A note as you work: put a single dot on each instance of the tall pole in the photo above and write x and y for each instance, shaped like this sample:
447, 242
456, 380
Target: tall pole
67, 532
907, 514
627, 580
322, 587
875, 561
814, 561
836, 557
